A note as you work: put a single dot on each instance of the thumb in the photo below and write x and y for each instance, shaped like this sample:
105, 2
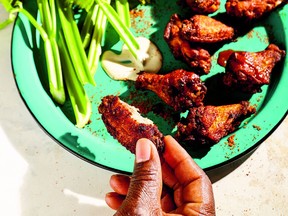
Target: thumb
145, 187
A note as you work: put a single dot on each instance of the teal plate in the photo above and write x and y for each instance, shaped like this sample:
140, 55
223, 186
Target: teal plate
94, 144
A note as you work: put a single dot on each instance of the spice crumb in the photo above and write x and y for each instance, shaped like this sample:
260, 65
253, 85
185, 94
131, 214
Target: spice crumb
257, 127
231, 140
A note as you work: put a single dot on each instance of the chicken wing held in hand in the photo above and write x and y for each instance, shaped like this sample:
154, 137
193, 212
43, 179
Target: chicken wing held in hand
194, 55
251, 9
209, 124
248, 71
180, 89
125, 124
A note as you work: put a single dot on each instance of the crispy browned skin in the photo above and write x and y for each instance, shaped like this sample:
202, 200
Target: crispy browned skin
193, 54
251, 9
208, 124
120, 123
204, 29
180, 89
203, 6
248, 71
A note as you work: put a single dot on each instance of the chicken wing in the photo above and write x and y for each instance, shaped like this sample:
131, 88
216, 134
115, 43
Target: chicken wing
180, 89
187, 37
205, 29
248, 71
125, 123
209, 124
203, 6
251, 9
194, 55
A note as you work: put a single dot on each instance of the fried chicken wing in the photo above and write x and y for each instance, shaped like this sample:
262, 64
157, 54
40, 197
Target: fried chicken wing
194, 55
125, 123
248, 71
204, 29
209, 124
203, 6
187, 37
251, 9
180, 89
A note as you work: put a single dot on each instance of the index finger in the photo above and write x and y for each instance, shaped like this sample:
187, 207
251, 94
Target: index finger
184, 167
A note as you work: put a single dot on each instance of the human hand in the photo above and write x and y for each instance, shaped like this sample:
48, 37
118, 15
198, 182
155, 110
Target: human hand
185, 189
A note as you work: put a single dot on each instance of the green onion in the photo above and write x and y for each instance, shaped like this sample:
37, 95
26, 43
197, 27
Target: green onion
53, 63
88, 26
84, 4
122, 8
79, 99
53, 16
10, 19
47, 33
122, 30
74, 43
95, 48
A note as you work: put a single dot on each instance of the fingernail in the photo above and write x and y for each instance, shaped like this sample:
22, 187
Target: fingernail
143, 150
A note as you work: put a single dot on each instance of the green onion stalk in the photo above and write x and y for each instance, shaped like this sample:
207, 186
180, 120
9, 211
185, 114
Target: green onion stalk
73, 40
79, 99
95, 48
123, 10
48, 34
88, 26
47, 12
120, 27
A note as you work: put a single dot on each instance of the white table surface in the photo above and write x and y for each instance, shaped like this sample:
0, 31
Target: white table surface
40, 178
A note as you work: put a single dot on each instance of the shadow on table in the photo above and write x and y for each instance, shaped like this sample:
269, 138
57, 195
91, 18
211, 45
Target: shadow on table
218, 173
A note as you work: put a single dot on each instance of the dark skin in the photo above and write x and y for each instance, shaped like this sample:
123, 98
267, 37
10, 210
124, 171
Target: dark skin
170, 186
